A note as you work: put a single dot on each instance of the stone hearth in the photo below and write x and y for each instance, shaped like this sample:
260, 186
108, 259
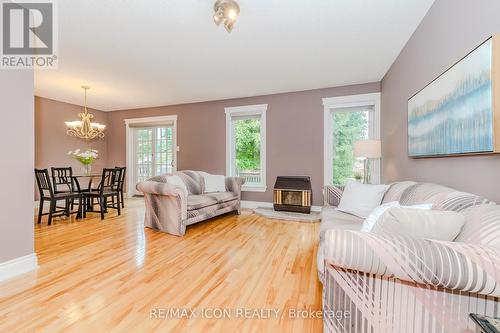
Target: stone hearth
270, 213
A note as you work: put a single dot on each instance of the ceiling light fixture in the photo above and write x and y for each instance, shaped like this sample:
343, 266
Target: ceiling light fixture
226, 11
84, 128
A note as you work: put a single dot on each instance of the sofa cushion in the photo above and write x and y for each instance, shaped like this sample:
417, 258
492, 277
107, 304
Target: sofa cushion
482, 226
420, 223
377, 213
213, 183
332, 194
360, 199
460, 202
221, 197
424, 193
331, 218
396, 191
193, 181
204, 213
200, 201
208, 199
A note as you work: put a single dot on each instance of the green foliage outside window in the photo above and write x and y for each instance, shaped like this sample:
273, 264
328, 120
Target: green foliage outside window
247, 144
348, 127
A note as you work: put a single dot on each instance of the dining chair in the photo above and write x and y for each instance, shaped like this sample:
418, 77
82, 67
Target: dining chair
62, 177
122, 185
107, 189
47, 193
62, 180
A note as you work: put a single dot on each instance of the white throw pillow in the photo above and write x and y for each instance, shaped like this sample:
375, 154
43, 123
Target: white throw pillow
420, 223
375, 215
214, 183
361, 199
177, 181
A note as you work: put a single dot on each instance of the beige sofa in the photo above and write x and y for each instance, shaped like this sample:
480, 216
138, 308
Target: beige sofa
170, 208
397, 283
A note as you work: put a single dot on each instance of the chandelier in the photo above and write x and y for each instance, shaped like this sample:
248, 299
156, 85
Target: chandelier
84, 128
226, 11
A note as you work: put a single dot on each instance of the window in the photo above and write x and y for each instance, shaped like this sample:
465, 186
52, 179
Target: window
349, 119
246, 145
348, 126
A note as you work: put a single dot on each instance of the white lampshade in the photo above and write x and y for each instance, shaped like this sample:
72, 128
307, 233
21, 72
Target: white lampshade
368, 149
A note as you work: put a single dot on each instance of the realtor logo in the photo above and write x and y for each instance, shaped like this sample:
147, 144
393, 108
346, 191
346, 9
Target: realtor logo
28, 35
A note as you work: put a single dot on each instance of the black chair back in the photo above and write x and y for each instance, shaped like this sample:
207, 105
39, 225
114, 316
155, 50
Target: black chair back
43, 182
110, 180
123, 170
62, 179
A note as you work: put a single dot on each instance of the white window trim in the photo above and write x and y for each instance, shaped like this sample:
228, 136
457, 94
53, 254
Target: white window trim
247, 110
150, 121
331, 104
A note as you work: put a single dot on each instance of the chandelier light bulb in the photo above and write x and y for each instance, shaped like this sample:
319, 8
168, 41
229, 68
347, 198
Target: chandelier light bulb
232, 14
226, 11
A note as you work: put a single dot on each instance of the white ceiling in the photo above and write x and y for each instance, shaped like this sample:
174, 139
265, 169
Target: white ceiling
138, 53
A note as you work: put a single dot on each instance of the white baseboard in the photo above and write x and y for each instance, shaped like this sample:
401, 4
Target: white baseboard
17, 266
256, 204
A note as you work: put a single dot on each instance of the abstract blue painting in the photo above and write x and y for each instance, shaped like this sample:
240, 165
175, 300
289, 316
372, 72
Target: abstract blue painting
454, 114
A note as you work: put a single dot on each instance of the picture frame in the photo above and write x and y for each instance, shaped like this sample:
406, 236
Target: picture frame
458, 113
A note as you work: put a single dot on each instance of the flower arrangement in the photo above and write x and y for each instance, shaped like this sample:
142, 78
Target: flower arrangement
86, 158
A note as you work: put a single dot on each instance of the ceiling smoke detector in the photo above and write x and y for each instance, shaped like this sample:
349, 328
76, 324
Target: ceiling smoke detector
226, 11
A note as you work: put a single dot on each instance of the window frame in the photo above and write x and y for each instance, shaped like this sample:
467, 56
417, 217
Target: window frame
260, 111
341, 104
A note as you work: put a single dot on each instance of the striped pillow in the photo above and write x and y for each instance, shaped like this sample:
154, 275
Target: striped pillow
482, 226
332, 195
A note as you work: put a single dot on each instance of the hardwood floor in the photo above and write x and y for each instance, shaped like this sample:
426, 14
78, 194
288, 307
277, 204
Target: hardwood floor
116, 276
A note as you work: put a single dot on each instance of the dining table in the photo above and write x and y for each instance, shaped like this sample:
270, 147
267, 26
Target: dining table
91, 179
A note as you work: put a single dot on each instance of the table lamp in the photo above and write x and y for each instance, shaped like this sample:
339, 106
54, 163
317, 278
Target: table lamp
369, 150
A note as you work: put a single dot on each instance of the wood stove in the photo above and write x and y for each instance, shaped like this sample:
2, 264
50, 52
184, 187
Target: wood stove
293, 194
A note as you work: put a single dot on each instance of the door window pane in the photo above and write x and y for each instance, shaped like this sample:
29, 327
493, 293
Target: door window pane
348, 127
154, 152
164, 150
143, 154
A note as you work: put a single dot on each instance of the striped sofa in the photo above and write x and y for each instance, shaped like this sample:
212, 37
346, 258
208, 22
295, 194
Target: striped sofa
170, 209
390, 283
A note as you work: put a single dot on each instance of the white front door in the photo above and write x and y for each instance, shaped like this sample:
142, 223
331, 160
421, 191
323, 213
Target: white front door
154, 152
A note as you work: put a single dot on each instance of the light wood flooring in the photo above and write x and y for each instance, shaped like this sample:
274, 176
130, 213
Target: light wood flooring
116, 276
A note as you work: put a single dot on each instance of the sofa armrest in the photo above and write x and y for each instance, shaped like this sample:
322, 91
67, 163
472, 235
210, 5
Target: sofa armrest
451, 265
234, 184
152, 187
332, 195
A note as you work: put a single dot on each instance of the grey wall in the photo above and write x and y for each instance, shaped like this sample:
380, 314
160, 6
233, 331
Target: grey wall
451, 29
294, 134
16, 176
